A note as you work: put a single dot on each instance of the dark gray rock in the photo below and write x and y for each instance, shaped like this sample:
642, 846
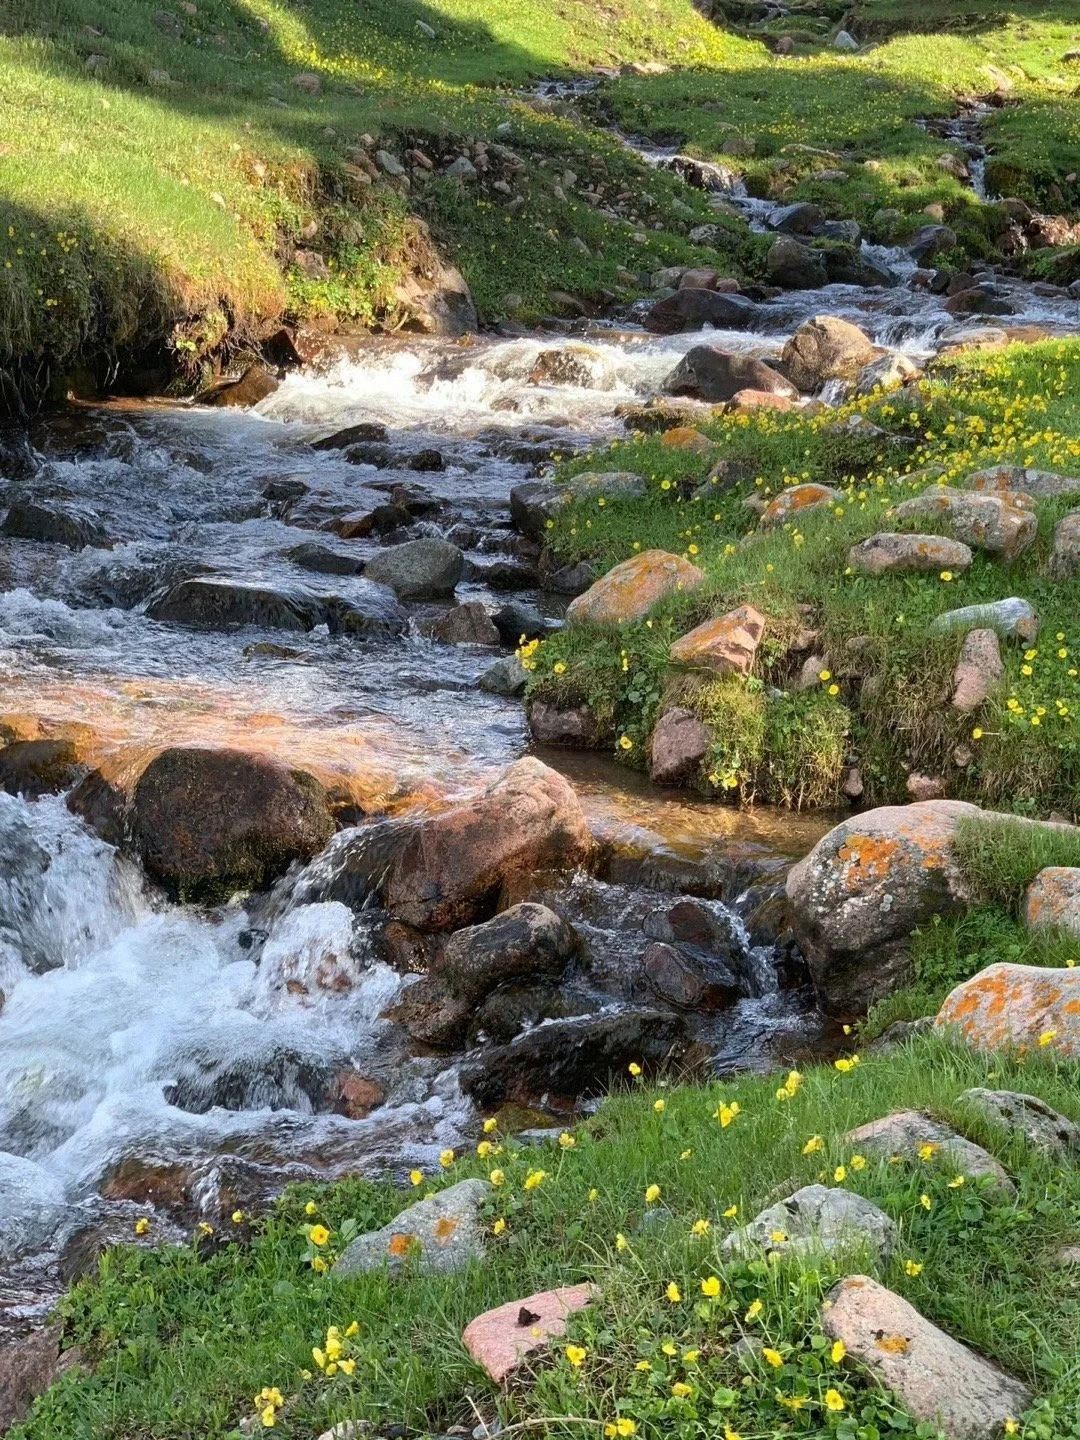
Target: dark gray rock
930, 241
468, 624
555, 723
802, 218
709, 373
418, 570
516, 618
533, 504
693, 309
506, 677
54, 524
795, 266
352, 435
323, 560
217, 603
689, 981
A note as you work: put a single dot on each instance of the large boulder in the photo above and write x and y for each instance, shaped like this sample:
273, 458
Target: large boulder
1039, 484
426, 569
679, 744
709, 373
855, 899
727, 644
801, 218
917, 1139
54, 524
608, 485
209, 822
1017, 1007
1052, 900
438, 1235
930, 241
535, 503
795, 266
937, 1380
631, 589
1001, 524
827, 348
1064, 562
219, 603
1041, 1126
571, 723
693, 309
452, 866
890, 553
816, 1220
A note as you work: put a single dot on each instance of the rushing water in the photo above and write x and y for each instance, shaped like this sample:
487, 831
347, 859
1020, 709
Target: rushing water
135, 1027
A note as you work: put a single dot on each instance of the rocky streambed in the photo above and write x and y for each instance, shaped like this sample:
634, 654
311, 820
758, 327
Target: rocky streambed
270, 651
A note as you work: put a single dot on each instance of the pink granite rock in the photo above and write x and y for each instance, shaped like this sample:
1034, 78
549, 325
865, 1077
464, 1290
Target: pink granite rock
500, 1339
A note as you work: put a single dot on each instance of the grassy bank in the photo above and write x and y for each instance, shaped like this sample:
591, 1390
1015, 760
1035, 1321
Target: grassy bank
883, 691
177, 1342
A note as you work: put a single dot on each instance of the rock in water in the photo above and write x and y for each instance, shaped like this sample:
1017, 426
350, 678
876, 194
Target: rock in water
816, 1220
439, 1235
827, 348
938, 1380
795, 266
418, 570
693, 309
552, 722
216, 603
55, 524
451, 867
1012, 1007
209, 822
679, 744
709, 373
39, 767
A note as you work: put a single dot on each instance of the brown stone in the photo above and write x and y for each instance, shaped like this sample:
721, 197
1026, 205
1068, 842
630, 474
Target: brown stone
924, 787
28, 1366
555, 723
685, 437
827, 348
937, 1379
165, 1184
1002, 524
980, 671
500, 1339
1053, 899
467, 624
726, 644
760, 400
38, 767
678, 746
632, 588
894, 554
1017, 1007
355, 1095
797, 500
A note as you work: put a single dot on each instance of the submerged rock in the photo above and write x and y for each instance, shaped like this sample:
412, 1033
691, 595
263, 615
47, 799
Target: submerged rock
216, 603
438, 1235
54, 524
468, 624
683, 977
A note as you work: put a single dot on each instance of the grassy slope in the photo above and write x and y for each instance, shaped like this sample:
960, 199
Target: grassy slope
888, 698
180, 1341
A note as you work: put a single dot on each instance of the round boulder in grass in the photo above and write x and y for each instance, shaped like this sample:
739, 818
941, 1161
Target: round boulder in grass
1022, 1008
797, 500
1053, 899
1004, 524
631, 589
894, 554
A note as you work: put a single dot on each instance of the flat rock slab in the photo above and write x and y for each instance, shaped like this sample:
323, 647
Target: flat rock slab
797, 500
1043, 1127
632, 588
907, 1132
500, 1339
1013, 1007
896, 554
937, 1379
1042, 484
816, 1220
442, 1234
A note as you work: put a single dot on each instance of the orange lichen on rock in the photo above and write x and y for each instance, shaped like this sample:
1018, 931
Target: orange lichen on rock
1018, 1007
632, 588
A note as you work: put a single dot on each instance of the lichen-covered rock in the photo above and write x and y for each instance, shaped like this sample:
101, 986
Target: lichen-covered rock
533, 504
1040, 484
827, 348
864, 887
816, 1220
500, 1339
439, 1235
608, 485
1053, 899
797, 500
632, 588
918, 1139
1002, 524
1013, 619
468, 624
795, 266
679, 744
726, 644
1016, 1007
980, 671
687, 437
1041, 1126
938, 1380
895, 554
1064, 562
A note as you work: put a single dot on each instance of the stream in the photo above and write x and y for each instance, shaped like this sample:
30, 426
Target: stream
190, 1045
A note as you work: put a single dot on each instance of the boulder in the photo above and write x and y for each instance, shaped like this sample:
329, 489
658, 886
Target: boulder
797, 500
609, 485
208, 822
801, 218
631, 589
999, 524
54, 524
255, 384
451, 867
582, 366
1039, 484
937, 1380
523, 942
376, 517
516, 619
1012, 1007
39, 767
795, 266
827, 348
217, 603
683, 977
29, 1364
533, 504
1042, 1127
439, 1235
433, 292
505, 575
554, 722
693, 309
507, 677
570, 579
910, 1134
1064, 562
727, 644
323, 560
980, 671
888, 373
352, 435
574, 1057
709, 373
426, 569
468, 624
844, 40
926, 244
1052, 899
816, 1220
500, 1339
1013, 619
760, 400
855, 899
679, 744
895, 554
688, 438
371, 611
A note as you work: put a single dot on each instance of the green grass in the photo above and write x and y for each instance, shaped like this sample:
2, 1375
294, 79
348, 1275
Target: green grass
892, 678
177, 1341
1002, 859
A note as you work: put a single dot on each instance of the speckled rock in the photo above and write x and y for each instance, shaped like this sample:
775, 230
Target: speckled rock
439, 1235
896, 554
908, 1133
980, 671
816, 1219
1012, 1007
1012, 619
1002, 524
1064, 562
797, 500
1041, 484
726, 644
1053, 899
632, 588
678, 745
1041, 1126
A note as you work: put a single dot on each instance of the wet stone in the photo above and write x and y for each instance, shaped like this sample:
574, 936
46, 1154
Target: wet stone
419, 569
351, 435
506, 677
53, 524
39, 767
324, 561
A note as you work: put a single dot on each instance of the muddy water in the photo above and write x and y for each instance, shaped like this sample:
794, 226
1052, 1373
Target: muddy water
184, 1037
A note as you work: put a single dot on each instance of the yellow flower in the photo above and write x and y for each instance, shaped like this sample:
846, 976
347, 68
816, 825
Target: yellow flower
659, 1106
700, 1228
310, 1208
347, 1366
834, 690
319, 1357
576, 1355
634, 1068
142, 1226
839, 1350
484, 1149
977, 733
779, 1237
621, 1428
268, 1417
594, 1195
643, 1365
925, 1202
730, 1434
319, 1265
693, 549
731, 1212
727, 1114
318, 1235
858, 1162
353, 1329
691, 1357
774, 1357
499, 1228
946, 575
753, 1313
1047, 1038
824, 675
913, 1267
928, 1151
956, 1182
446, 1159
1012, 1427
238, 1217
566, 1141
652, 1194
621, 1243
813, 1145
681, 1390
673, 1293
840, 1174
834, 1400
710, 1286
416, 1176
490, 1124
625, 743
535, 1179
687, 1154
